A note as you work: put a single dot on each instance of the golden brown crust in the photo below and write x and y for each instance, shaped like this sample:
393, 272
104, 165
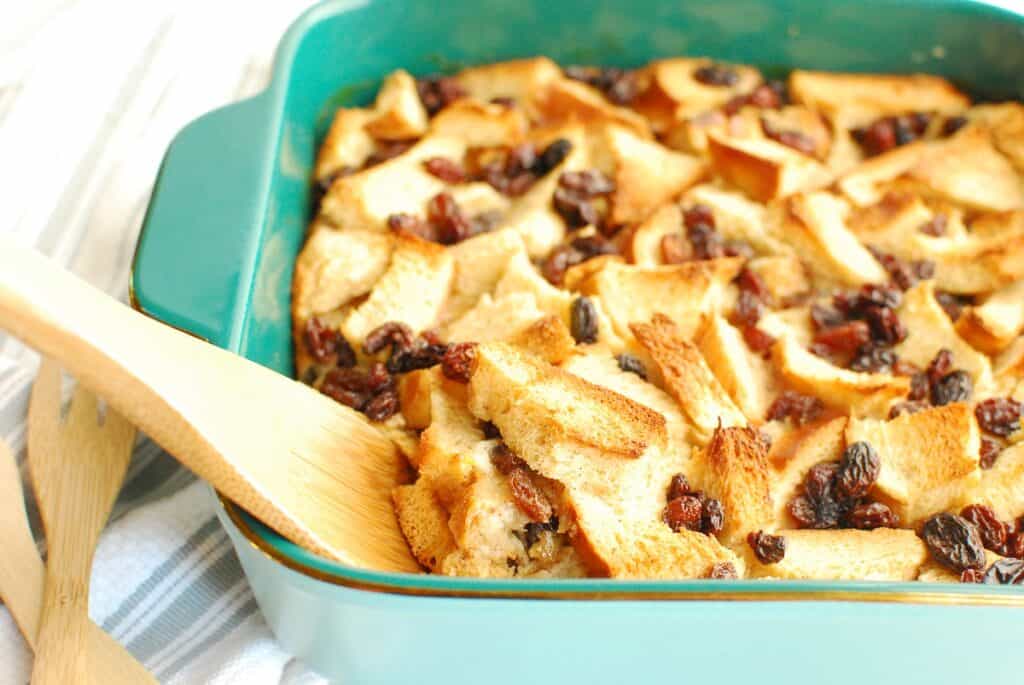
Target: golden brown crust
737, 475
880, 554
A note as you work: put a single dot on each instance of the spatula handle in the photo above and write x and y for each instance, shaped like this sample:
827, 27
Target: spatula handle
61, 654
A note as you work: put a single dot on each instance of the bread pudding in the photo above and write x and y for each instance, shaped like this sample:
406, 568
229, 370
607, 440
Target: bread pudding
680, 321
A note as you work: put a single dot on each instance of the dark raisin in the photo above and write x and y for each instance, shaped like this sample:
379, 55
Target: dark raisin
749, 309
769, 549
858, 470
823, 317
971, 575
1005, 572
618, 85
322, 341
904, 274
758, 340
885, 325
407, 223
445, 169
504, 101
706, 241
557, 262
553, 155
505, 460
993, 532
382, 406
445, 214
673, 249
457, 362
386, 151
712, 517
940, 365
591, 246
874, 358
877, 138
990, 451
953, 124
589, 182
490, 431
871, 515
801, 409
437, 92
871, 295
698, 215
843, 339
952, 303
378, 378
420, 355
1014, 546
393, 334
575, 208
583, 320
723, 570
953, 387
716, 75
771, 95
750, 281
528, 497
631, 364
349, 398
911, 407
535, 531
904, 131
818, 506
678, 487
999, 416
953, 542
801, 142
683, 512
936, 226
918, 387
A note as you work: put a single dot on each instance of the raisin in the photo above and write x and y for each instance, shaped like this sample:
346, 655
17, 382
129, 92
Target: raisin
386, 151
936, 226
871, 515
953, 542
505, 460
771, 95
885, 325
590, 182
904, 274
353, 379
769, 549
583, 320
378, 378
801, 409
871, 295
504, 101
999, 416
673, 249
801, 142
698, 215
489, 430
535, 532
993, 532
393, 334
575, 208
918, 387
953, 124
349, 398
618, 85
591, 246
878, 138
683, 512
437, 92
447, 217
321, 341
901, 408
445, 169
818, 506
953, 387
712, 517
457, 362
528, 497
382, 406
557, 262
553, 155
952, 303
421, 355
749, 309
990, 451
971, 575
1005, 572
678, 487
723, 570
758, 340
858, 470
1014, 546
631, 364
845, 338
940, 365
874, 358
824, 317
407, 223
706, 241
716, 75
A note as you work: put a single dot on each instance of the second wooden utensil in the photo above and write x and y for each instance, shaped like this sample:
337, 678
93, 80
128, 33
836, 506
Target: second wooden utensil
78, 465
314, 470
22, 579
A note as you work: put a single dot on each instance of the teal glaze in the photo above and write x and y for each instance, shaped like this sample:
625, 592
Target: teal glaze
215, 258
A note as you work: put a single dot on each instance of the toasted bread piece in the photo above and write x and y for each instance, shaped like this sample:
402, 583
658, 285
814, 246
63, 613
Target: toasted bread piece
932, 571
548, 338
860, 393
335, 267
481, 124
534, 403
893, 225
738, 218
929, 459
968, 170
876, 93
1005, 123
495, 318
802, 120
446, 447
745, 376
347, 143
929, 330
736, 473
400, 113
792, 322
686, 293
793, 455
424, 523
866, 184
646, 239
1002, 486
400, 185
415, 391
985, 262
480, 262
646, 175
649, 550
565, 101
412, 290
688, 379
1008, 367
672, 92
880, 554
783, 275
817, 228
515, 79
994, 324
764, 169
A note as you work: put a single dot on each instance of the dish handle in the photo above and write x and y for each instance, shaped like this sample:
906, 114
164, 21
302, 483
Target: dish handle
202, 228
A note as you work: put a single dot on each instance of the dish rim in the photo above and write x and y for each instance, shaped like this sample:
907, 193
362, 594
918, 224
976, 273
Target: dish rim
283, 552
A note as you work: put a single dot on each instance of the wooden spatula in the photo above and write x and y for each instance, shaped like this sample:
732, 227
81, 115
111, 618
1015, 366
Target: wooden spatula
314, 470
78, 466
22, 578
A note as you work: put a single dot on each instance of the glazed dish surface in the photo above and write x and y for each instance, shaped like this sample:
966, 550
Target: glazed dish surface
680, 321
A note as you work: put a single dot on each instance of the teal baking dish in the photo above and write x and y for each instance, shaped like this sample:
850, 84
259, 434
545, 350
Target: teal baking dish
215, 258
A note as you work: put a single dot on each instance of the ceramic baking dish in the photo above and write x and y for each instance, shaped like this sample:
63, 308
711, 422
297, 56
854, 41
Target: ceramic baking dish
215, 258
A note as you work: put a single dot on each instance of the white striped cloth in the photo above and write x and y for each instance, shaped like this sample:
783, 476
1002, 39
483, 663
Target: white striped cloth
91, 93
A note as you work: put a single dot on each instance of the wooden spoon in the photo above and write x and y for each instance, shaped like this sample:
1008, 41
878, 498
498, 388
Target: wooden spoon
307, 466
78, 466
22, 580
